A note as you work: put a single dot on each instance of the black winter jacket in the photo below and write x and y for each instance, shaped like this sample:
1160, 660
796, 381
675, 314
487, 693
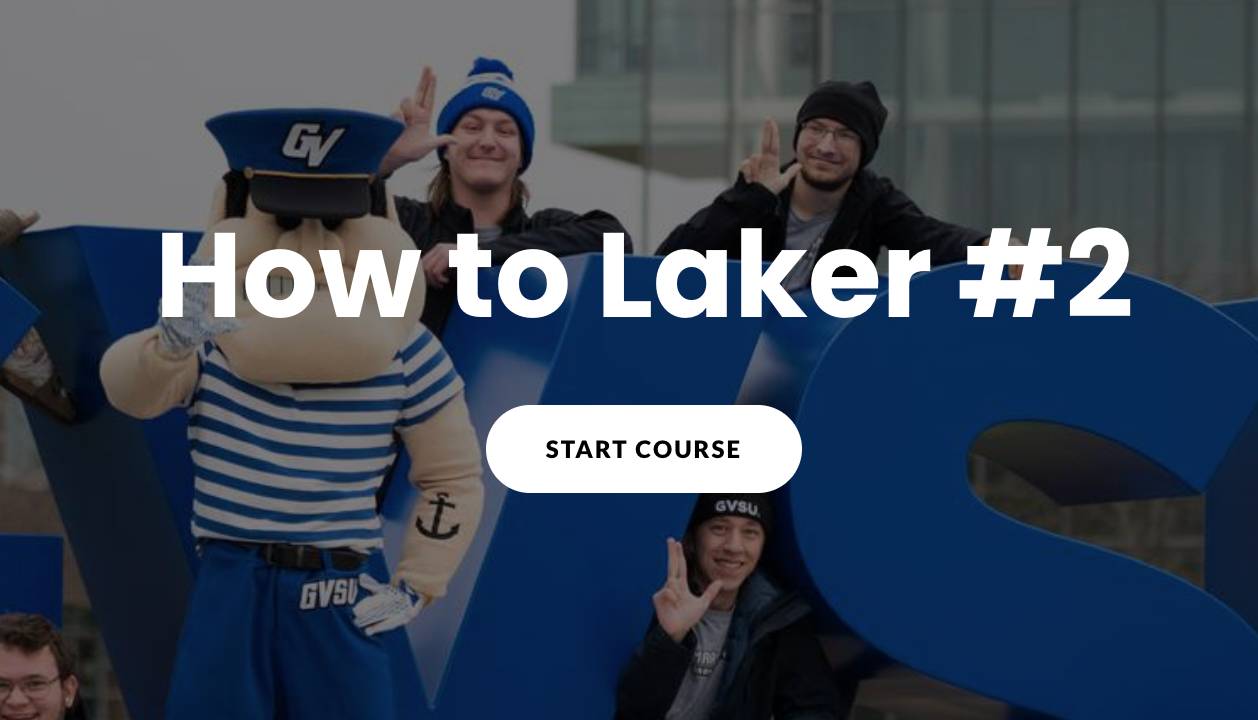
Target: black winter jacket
874, 214
556, 231
774, 666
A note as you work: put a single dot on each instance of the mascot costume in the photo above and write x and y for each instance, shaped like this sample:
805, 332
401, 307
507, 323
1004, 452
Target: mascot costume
293, 425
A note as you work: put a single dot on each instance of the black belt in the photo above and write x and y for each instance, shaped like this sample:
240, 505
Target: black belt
306, 557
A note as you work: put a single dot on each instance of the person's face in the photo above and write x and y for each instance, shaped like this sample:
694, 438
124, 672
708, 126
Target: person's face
828, 152
487, 155
316, 345
49, 703
729, 549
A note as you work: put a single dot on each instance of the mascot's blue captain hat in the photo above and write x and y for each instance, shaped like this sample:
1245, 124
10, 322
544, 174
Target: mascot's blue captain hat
490, 84
306, 162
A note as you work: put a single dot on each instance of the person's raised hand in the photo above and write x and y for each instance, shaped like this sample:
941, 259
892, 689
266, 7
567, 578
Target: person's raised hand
436, 263
765, 167
178, 337
417, 140
14, 223
676, 608
1015, 271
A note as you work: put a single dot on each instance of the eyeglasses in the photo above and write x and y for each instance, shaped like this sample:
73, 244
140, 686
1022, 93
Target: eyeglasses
814, 132
32, 687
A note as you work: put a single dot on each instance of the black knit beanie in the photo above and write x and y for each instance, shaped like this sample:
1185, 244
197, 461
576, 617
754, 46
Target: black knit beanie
754, 506
856, 105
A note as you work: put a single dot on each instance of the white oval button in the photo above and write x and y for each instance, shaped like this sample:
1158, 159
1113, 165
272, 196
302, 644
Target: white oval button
643, 448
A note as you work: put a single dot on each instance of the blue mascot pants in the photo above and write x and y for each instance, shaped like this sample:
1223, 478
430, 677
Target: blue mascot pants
262, 642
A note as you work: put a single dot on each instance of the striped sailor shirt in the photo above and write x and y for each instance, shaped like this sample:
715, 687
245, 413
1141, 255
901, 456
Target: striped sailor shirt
301, 463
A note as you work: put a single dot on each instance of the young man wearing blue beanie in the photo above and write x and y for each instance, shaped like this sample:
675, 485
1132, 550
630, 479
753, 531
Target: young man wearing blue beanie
484, 139
827, 198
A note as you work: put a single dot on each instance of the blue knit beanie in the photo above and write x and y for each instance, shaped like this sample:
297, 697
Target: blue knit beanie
490, 84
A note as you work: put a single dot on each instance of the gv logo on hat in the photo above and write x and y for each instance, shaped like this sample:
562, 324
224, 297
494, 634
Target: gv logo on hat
305, 142
493, 93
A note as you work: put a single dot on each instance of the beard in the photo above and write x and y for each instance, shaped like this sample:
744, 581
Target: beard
824, 185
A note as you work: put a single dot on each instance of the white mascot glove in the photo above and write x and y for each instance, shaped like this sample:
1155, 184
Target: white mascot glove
387, 607
179, 336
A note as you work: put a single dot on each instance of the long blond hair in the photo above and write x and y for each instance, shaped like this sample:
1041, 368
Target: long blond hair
441, 192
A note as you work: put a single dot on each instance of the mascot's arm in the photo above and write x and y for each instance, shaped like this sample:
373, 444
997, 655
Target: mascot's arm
143, 383
446, 467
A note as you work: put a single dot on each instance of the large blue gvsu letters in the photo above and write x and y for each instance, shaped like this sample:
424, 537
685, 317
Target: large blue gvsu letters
30, 576
880, 526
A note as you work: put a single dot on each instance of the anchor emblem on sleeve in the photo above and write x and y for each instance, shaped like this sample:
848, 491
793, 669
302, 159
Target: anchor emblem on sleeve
435, 531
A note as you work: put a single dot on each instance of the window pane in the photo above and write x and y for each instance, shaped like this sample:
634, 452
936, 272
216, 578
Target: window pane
1205, 248
778, 49
945, 149
1116, 153
865, 45
1030, 45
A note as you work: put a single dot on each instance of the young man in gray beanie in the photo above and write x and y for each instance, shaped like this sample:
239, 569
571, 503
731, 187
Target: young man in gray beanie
726, 642
826, 199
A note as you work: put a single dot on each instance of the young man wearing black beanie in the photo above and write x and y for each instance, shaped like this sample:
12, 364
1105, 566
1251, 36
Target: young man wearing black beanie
826, 199
726, 643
